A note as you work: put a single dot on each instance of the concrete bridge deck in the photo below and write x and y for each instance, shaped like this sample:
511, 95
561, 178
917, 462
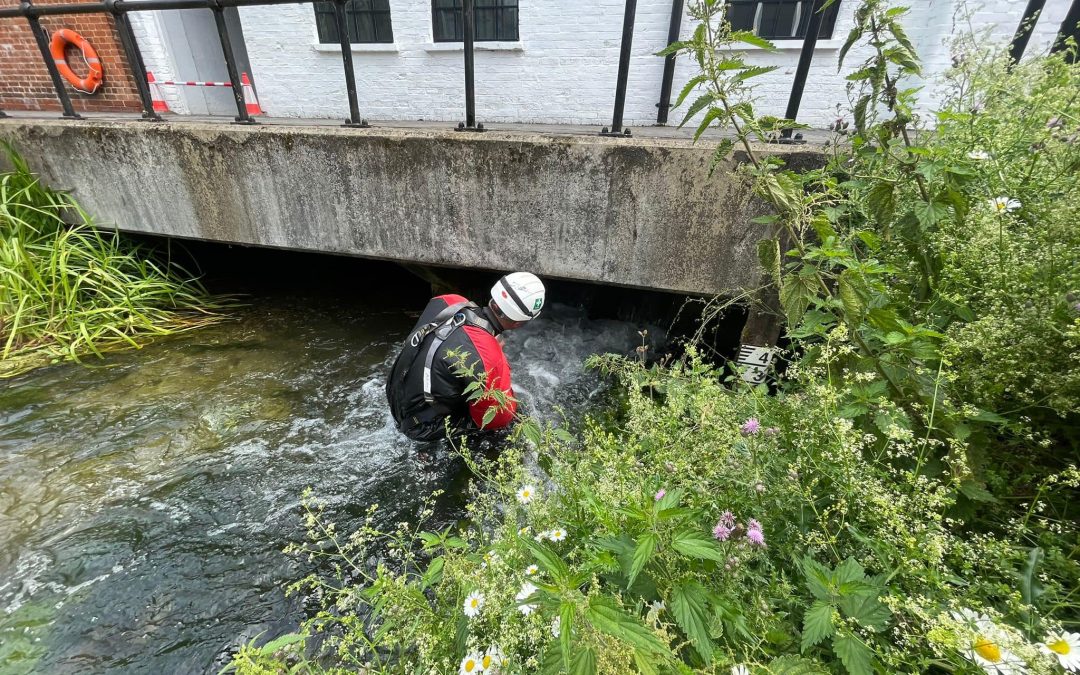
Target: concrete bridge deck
559, 201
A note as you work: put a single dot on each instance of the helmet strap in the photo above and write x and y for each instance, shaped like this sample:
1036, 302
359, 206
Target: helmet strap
514, 296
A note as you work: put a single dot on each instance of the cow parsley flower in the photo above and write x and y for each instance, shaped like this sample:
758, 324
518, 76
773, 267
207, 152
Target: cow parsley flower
556, 627
471, 664
526, 494
557, 534
1004, 204
740, 670
750, 427
1065, 647
473, 603
979, 155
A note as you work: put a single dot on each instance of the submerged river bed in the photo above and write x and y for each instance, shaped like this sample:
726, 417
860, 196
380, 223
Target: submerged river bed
145, 499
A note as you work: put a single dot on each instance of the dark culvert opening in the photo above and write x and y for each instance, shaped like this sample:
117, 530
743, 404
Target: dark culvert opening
257, 272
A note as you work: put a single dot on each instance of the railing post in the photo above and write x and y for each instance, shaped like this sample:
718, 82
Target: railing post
134, 59
669, 63
242, 116
1024, 28
468, 28
624, 71
346, 59
43, 46
803, 69
1070, 27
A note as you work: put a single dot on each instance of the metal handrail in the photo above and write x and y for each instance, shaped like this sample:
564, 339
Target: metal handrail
119, 10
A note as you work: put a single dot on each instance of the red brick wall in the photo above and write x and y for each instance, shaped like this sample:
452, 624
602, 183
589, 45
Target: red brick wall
25, 83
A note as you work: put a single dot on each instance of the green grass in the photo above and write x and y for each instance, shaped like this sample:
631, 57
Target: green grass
69, 290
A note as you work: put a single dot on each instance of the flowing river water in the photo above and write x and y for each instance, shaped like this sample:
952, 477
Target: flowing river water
145, 499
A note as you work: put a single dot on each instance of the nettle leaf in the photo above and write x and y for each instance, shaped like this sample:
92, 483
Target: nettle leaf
707, 120
279, 643
549, 560
768, 252
753, 71
817, 624
859, 112
687, 88
882, 201
866, 609
672, 48
976, 492
611, 620
489, 415
584, 662
818, 578
854, 654
643, 661
697, 545
688, 605
566, 628
853, 36
747, 37
931, 213
796, 292
644, 550
696, 107
723, 149
852, 291
849, 570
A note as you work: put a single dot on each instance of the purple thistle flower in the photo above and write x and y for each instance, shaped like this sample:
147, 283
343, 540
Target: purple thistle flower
721, 532
660, 494
753, 524
750, 427
772, 431
727, 519
756, 537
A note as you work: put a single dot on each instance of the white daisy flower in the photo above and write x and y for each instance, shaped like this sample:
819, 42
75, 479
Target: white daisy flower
541, 536
532, 571
527, 589
526, 494
980, 155
558, 534
471, 664
740, 670
1066, 648
473, 603
556, 627
492, 659
1005, 204
523, 531
985, 649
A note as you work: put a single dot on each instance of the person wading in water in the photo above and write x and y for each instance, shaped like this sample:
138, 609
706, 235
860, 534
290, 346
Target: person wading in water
426, 386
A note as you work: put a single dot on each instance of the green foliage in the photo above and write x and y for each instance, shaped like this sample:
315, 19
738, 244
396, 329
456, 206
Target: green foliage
902, 498
68, 290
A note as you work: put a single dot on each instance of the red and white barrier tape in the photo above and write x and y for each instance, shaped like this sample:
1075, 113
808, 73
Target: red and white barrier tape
195, 84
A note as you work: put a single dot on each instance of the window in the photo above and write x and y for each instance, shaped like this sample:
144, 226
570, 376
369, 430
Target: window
495, 20
779, 19
367, 21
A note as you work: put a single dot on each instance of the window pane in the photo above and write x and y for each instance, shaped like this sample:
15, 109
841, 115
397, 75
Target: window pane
495, 20
324, 22
777, 18
508, 24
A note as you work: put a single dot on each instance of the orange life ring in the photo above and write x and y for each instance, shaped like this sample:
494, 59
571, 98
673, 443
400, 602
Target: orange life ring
60, 40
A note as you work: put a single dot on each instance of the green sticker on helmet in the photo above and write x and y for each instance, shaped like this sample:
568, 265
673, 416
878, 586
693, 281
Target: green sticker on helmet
538, 304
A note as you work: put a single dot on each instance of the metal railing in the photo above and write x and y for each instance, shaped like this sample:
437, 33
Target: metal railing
119, 10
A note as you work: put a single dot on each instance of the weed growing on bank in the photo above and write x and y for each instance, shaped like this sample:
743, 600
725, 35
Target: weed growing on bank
900, 501
68, 290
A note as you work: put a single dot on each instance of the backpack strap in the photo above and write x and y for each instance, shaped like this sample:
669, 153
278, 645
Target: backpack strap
467, 315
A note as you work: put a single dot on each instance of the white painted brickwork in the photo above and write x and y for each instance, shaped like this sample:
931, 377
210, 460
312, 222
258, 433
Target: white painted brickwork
150, 36
564, 67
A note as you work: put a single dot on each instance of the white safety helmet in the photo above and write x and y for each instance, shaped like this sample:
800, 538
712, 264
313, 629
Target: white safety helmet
519, 296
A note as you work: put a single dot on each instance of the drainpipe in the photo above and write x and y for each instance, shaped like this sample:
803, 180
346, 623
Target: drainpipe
669, 63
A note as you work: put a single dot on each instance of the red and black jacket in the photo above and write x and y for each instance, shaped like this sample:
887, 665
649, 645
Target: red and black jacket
449, 324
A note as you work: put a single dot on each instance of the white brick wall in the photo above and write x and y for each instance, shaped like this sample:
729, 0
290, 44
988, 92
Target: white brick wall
563, 70
150, 35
